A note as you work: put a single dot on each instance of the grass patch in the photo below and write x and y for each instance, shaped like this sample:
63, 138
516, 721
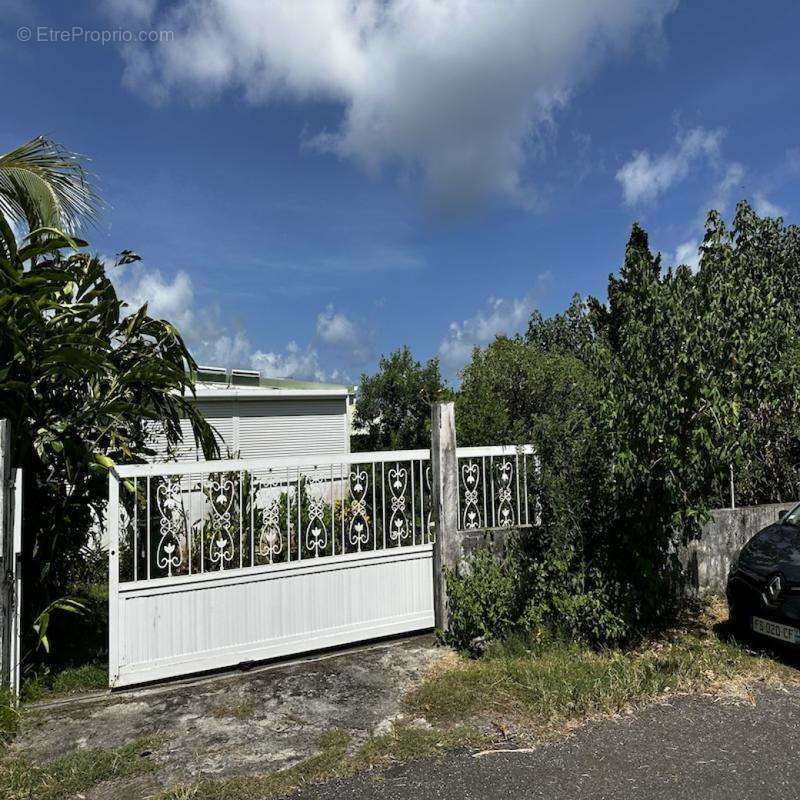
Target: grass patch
45, 683
9, 716
78, 657
333, 747
545, 687
410, 743
81, 679
242, 711
404, 743
74, 773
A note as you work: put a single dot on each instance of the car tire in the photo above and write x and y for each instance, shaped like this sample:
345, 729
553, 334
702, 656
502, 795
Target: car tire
738, 624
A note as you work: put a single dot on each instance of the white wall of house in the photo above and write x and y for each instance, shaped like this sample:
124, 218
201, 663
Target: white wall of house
263, 426
259, 422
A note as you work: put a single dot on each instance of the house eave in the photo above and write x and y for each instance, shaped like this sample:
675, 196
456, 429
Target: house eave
261, 393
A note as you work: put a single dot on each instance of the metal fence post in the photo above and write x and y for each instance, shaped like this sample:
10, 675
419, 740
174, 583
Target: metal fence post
15, 629
444, 475
112, 527
6, 555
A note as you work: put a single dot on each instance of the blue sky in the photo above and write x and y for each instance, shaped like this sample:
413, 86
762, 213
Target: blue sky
314, 184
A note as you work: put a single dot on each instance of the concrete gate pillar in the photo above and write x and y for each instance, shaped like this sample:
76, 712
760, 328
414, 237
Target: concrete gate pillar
444, 489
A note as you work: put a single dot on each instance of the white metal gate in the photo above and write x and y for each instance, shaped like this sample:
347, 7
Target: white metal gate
217, 563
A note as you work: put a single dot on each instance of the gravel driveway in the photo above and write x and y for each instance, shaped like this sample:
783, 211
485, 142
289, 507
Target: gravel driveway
238, 723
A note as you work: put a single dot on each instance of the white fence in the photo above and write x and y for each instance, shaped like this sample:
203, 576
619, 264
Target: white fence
220, 562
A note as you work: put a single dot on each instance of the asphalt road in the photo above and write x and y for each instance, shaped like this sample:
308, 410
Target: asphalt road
693, 748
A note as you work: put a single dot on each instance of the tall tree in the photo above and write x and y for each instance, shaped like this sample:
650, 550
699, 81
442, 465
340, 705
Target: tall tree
393, 408
639, 406
747, 292
648, 418
570, 332
543, 389
703, 377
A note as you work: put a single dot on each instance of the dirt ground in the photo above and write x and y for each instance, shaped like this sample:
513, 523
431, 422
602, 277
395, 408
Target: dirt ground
238, 723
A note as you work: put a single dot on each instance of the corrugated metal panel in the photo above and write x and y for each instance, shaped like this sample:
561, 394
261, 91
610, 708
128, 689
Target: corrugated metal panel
222, 415
292, 427
186, 451
263, 428
219, 414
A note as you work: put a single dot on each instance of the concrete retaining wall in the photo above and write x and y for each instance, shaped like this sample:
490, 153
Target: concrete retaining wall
496, 541
707, 560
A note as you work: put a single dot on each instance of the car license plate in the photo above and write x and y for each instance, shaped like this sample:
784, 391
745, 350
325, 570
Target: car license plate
775, 630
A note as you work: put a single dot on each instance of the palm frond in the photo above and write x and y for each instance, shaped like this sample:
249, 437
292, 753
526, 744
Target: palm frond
43, 184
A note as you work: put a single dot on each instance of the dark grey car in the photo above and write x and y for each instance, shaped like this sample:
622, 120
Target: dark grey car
764, 581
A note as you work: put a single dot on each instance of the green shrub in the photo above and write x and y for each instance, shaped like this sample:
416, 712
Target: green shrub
484, 598
538, 597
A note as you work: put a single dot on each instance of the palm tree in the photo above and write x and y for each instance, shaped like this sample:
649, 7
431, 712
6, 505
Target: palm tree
42, 184
81, 377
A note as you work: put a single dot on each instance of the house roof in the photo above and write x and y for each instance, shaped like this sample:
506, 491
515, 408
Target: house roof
262, 388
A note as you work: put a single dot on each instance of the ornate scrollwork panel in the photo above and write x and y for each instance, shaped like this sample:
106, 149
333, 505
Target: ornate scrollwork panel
316, 530
221, 544
470, 479
505, 510
358, 530
270, 539
171, 524
398, 523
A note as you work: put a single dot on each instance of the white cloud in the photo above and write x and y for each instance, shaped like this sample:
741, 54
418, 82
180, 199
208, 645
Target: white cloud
209, 340
167, 299
731, 180
645, 177
502, 316
688, 253
336, 329
792, 160
214, 343
766, 208
455, 92
217, 347
296, 362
